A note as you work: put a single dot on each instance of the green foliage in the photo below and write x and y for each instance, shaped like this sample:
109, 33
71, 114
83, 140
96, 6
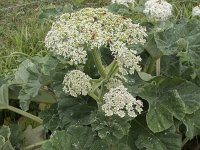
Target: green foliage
73, 138
168, 98
145, 138
4, 138
28, 76
111, 129
171, 101
73, 111
192, 124
51, 118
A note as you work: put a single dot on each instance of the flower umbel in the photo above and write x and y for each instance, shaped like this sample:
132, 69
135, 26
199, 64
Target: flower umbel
76, 83
120, 102
73, 34
196, 11
160, 10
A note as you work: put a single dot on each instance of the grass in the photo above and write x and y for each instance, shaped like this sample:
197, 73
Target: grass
22, 33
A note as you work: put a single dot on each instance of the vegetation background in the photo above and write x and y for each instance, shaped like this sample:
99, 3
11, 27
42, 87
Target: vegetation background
24, 24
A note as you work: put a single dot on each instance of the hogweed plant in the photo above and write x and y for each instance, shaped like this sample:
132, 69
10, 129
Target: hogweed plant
89, 29
97, 88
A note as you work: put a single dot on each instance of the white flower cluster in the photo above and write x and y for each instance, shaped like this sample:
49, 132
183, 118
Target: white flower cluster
76, 83
124, 2
160, 10
196, 11
92, 28
120, 102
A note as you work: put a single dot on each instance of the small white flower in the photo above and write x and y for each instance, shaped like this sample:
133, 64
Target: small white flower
120, 102
196, 11
124, 2
129, 62
76, 83
159, 10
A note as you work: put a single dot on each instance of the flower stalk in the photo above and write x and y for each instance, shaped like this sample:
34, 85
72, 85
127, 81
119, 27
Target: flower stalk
26, 114
158, 67
98, 63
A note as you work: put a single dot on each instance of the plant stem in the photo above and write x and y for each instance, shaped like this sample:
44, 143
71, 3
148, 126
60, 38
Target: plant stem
98, 62
158, 67
26, 114
93, 96
111, 69
35, 145
151, 66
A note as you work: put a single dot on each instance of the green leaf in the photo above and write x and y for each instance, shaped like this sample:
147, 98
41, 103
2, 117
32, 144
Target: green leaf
4, 101
47, 64
4, 138
59, 140
75, 138
110, 128
152, 48
33, 135
81, 137
50, 117
16, 137
29, 91
135, 82
29, 77
170, 66
5, 132
2, 141
168, 98
73, 110
183, 40
192, 123
163, 109
100, 145
145, 138
118, 9
145, 76
50, 12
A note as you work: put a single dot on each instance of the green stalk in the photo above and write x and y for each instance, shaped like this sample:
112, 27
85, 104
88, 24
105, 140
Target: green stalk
185, 141
151, 66
111, 69
35, 145
147, 64
93, 96
158, 67
26, 114
98, 62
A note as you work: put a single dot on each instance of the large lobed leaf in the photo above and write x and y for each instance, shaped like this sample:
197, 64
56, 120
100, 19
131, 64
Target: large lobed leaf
4, 138
145, 138
183, 40
28, 76
73, 110
75, 138
168, 98
192, 123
